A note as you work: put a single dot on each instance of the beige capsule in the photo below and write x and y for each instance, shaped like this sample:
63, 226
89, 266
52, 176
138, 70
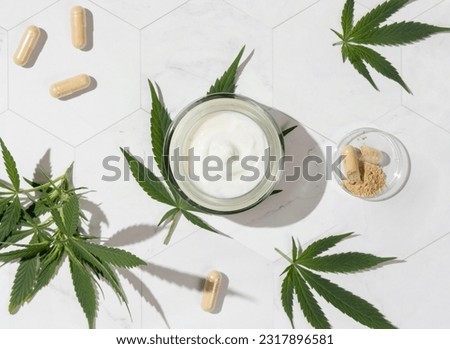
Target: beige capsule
371, 155
211, 290
351, 164
78, 26
69, 86
26, 45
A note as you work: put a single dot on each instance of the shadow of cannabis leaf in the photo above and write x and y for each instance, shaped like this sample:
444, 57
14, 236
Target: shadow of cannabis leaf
144, 292
132, 235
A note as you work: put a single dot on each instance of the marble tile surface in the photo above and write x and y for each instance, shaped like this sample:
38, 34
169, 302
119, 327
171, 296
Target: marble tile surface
191, 55
272, 12
312, 84
3, 71
114, 92
427, 61
139, 13
299, 77
13, 14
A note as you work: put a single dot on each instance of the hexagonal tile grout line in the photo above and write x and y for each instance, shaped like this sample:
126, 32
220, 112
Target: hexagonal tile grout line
427, 246
159, 18
114, 15
7, 69
107, 128
246, 13
140, 67
384, 114
429, 9
172, 244
273, 71
34, 14
362, 5
41, 128
425, 118
295, 15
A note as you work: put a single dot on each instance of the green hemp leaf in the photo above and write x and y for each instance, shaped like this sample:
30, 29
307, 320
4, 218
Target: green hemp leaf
300, 280
161, 189
42, 225
227, 82
369, 30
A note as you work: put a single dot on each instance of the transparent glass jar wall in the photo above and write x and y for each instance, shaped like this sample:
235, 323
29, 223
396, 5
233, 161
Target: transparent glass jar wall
178, 139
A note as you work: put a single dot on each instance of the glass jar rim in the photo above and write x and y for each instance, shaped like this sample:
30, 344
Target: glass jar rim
251, 109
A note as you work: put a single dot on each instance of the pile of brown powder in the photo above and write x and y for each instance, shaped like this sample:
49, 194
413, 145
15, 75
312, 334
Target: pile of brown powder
372, 181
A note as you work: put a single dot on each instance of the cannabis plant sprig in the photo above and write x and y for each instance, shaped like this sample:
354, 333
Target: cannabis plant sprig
300, 280
42, 225
369, 31
161, 189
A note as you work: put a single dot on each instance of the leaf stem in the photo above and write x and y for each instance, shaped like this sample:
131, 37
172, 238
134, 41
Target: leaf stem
42, 186
284, 256
173, 225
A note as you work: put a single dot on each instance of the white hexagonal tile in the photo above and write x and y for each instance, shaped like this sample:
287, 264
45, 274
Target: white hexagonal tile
192, 46
415, 293
271, 12
13, 13
139, 12
175, 278
3, 71
425, 68
29, 144
125, 213
113, 62
410, 11
313, 85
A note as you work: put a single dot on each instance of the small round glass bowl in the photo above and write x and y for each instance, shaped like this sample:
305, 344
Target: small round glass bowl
395, 163
178, 141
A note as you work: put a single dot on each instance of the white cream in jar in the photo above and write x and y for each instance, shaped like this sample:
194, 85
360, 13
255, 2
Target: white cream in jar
229, 148
224, 153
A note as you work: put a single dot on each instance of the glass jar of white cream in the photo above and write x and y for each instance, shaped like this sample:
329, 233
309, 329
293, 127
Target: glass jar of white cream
224, 153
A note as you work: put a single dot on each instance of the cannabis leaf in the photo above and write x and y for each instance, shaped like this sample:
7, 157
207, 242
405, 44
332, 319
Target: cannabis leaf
227, 82
159, 124
10, 217
300, 280
23, 282
84, 289
41, 225
148, 181
161, 189
288, 130
164, 192
368, 31
10, 166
